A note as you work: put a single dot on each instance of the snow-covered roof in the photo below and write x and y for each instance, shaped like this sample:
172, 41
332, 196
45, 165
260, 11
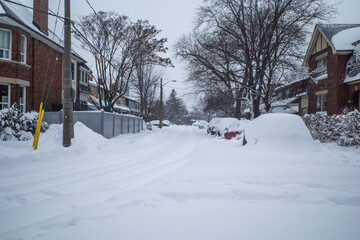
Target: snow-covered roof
353, 66
344, 40
122, 108
14, 14
2, 11
283, 102
338, 34
131, 98
340, 38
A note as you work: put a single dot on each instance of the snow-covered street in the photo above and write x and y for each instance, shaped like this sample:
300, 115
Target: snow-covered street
177, 183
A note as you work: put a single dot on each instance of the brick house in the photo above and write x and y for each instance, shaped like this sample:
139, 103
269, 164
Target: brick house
333, 58
291, 98
31, 60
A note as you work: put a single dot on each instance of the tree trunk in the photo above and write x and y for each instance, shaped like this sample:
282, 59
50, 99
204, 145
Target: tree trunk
256, 107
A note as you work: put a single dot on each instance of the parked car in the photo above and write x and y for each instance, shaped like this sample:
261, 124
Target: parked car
201, 124
219, 126
156, 123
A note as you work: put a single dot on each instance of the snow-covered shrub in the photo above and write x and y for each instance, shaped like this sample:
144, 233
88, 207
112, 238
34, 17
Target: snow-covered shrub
344, 129
18, 126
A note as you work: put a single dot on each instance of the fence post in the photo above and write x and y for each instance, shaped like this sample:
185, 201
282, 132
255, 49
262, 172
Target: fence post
61, 118
128, 124
121, 124
102, 122
113, 125
134, 130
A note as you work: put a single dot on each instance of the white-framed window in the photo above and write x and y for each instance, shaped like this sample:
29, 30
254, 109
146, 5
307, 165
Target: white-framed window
5, 96
23, 48
321, 66
73, 71
321, 103
22, 99
84, 77
5, 44
287, 92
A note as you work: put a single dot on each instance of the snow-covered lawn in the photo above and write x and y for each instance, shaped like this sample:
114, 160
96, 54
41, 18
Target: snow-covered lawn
178, 183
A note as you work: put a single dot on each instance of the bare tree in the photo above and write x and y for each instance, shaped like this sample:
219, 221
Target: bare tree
117, 44
145, 82
264, 40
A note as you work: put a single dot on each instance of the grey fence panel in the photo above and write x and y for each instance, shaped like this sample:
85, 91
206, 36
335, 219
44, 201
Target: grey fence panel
117, 125
106, 124
91, 119
125, 125
131, 125
53, 117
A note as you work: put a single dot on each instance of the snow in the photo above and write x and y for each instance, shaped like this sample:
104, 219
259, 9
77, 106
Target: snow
223, 125
351, 79
180, 183
2, 11
321, 77
24, 14
279, 131
344, 39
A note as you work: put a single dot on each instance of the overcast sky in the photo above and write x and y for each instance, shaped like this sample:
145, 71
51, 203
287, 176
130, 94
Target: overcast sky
173, 17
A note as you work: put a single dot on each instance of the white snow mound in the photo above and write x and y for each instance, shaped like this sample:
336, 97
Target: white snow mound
279, 130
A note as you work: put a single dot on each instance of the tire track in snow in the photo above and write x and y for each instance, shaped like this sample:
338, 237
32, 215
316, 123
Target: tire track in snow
64, 204
49, 174
43, 186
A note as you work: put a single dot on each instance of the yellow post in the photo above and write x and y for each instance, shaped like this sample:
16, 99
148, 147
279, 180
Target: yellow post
37, 134
38, 124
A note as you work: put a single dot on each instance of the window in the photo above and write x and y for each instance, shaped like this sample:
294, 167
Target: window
84, 77
321, 103
22, 99
321, 66
4, 96
23, 48
287, 92
73, 71
5, 44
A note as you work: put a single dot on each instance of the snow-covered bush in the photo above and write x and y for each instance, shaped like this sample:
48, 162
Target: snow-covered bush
344, 129
18, 126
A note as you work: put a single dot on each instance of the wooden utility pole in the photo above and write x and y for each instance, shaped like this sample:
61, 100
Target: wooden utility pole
67, 101
161, 103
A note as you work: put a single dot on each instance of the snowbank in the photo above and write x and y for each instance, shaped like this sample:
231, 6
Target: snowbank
279, 130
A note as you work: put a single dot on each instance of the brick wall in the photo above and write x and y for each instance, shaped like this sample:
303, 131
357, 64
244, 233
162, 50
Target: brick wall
39, 18
42, 71
47, 75
334, 83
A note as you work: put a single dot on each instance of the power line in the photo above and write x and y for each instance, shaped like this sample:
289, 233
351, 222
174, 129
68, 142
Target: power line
38, 10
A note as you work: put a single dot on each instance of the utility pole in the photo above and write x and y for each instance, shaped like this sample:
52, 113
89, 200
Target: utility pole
161, 103
67, 102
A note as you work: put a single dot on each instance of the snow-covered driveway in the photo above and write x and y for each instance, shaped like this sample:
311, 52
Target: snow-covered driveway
176, 183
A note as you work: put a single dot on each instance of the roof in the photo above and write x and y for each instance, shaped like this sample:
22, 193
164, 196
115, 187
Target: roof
339, 36
353, 66
84, 89
24, 17
333, 31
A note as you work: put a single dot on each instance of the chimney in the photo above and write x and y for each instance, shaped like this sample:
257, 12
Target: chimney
40, 19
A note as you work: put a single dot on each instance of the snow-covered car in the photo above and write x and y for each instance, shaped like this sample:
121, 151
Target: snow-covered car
156, 123
201, 124
148, 126
218, 126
